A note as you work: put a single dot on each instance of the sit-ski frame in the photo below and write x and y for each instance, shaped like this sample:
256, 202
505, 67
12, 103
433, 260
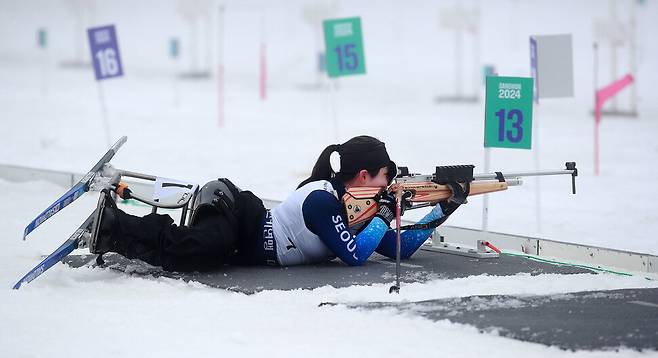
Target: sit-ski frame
110, 178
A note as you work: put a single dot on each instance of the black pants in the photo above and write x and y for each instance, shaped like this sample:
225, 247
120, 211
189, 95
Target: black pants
216, 239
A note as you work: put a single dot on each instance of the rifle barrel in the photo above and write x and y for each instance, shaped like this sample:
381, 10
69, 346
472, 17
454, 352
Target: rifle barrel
513, 181
490, 176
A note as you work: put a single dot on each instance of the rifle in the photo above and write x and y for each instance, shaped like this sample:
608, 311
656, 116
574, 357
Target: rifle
428, 190
413, 191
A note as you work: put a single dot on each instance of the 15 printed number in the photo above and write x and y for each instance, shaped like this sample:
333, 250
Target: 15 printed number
347, 58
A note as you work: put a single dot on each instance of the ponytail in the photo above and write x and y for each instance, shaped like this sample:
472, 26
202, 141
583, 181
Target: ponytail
358, 153
322, 169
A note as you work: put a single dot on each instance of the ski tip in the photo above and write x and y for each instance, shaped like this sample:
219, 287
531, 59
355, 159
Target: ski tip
17, 285
27, 231
119, 143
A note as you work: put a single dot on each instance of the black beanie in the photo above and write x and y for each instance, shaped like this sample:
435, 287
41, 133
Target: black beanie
358, 153
362, 152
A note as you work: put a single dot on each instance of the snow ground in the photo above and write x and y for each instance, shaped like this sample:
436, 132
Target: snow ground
269, 147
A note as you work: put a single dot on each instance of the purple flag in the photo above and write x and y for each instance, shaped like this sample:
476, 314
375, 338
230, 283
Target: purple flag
533, 68
105, 52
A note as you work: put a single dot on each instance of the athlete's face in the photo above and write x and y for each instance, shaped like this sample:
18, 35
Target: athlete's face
365, 179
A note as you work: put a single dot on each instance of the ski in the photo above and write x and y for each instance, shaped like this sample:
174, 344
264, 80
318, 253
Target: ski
66, 248
76, 191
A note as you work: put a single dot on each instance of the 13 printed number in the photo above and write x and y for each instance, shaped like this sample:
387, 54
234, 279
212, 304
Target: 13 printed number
515, 134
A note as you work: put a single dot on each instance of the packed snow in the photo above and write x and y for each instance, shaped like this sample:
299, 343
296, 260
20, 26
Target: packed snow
51, 118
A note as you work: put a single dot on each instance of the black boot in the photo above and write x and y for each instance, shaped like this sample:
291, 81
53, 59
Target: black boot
106, 231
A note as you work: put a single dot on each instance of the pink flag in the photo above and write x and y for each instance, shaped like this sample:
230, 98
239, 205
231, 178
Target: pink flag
610, 91
602, 96
263, 71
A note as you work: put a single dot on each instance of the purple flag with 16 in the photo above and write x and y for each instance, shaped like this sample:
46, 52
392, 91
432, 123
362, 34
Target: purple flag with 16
105, 52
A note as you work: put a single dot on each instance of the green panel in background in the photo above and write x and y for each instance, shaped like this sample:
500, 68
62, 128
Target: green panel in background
173, 47
42, 38
344, 47
508, 112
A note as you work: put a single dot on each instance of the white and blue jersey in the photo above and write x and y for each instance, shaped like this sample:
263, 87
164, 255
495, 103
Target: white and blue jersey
310, 227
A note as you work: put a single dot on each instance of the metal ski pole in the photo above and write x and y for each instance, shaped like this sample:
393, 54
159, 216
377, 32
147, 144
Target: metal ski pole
398, 223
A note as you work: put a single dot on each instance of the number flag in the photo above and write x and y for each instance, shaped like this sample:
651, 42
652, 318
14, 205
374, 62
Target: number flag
105, 52
344, 47
508, 112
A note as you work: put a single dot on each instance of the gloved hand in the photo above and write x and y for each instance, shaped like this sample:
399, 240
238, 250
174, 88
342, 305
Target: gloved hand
386, 210
387, 206
405, 203
458, 197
